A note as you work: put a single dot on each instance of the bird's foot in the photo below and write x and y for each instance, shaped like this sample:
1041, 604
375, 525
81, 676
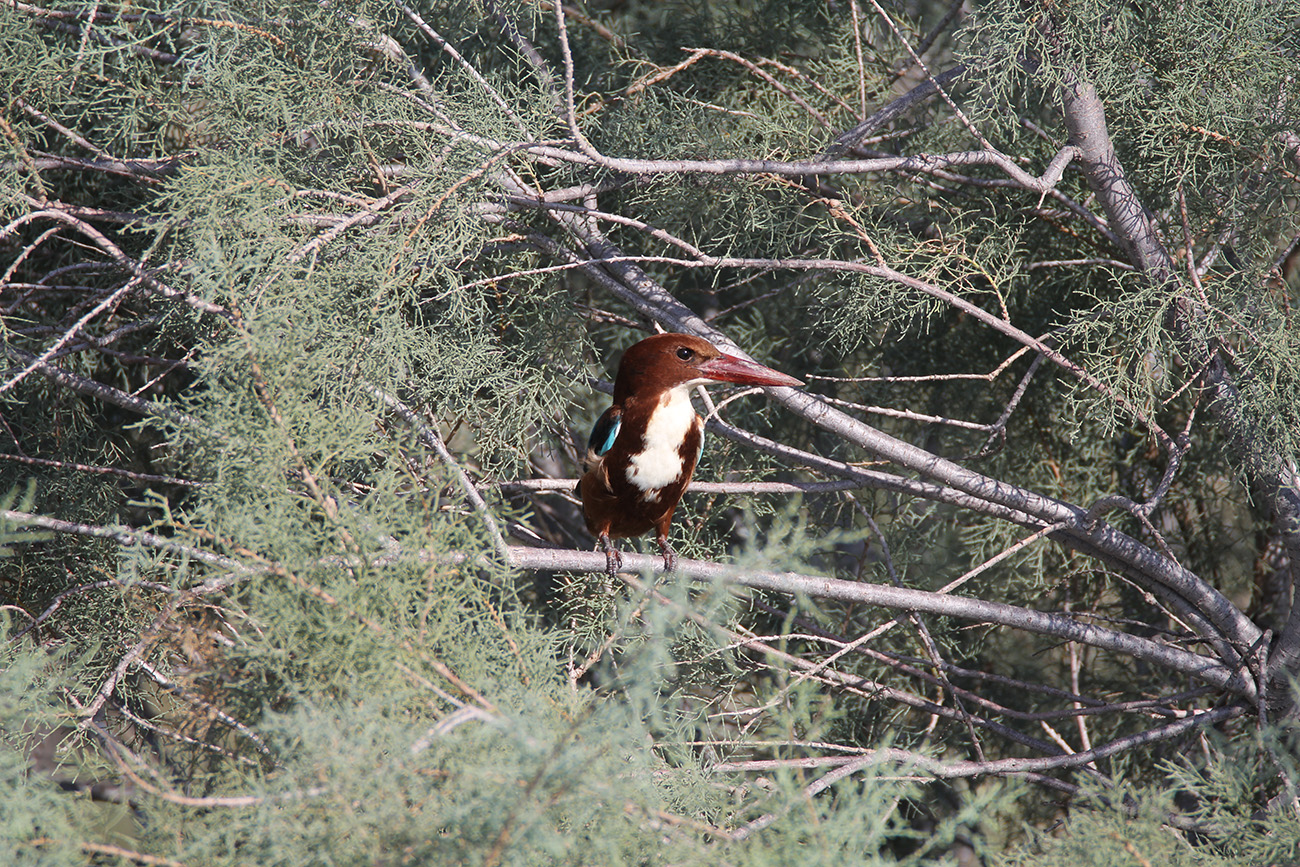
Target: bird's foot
670, 556
613, 559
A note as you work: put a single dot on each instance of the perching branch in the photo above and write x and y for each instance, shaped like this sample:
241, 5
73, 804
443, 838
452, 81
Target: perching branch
1236, 681
1231, 631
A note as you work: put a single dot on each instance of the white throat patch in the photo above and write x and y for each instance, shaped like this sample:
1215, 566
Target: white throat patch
659, 463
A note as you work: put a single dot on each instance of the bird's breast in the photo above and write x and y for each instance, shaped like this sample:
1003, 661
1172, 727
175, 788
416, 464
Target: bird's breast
669, 445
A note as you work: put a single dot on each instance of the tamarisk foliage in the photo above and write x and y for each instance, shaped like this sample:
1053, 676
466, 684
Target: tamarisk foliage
307, 307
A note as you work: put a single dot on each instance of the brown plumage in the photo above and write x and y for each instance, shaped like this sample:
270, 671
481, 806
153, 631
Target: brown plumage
644, 449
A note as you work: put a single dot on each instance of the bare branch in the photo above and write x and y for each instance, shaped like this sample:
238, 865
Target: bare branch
955, 770
67, 336
1202, 668
114, 252
1194, 599
431, 438
99, 391
1275, 475
127, 537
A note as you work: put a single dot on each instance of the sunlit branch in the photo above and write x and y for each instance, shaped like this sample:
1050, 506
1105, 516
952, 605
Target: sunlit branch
900, 598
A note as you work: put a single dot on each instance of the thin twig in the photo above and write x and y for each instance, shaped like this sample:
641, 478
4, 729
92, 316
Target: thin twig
431, 438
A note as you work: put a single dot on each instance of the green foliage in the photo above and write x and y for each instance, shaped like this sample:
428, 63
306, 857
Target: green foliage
1131, 824
17, 534
1243, 772
1113, 834
1196, 99
295, 631
39, 824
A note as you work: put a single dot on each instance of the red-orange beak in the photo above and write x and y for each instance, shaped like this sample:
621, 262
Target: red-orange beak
729, 368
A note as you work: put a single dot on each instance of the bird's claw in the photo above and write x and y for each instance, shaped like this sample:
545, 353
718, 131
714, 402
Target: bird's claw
670, 556
613, 559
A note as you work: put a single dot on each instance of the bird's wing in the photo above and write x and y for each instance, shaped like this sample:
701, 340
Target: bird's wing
604, 432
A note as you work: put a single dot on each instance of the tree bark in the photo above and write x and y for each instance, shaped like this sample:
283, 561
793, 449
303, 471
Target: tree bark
1271, 474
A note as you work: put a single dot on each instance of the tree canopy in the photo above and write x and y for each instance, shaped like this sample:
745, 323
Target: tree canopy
307, 309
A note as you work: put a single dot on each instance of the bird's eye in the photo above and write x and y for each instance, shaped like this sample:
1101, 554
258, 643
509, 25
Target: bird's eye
685, 353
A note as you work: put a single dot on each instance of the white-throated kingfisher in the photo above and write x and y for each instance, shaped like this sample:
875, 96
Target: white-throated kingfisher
644, 448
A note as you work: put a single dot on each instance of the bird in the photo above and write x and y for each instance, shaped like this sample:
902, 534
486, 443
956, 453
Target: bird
644, 449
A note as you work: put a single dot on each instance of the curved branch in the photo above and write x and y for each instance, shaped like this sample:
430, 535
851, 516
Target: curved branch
1232, 633
1202, 668
1274, 475
953, 770
848, 140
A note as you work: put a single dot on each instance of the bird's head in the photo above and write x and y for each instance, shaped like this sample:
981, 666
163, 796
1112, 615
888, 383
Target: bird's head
668, 361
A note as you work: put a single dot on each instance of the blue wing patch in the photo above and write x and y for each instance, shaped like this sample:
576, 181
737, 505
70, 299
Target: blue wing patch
605, 431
